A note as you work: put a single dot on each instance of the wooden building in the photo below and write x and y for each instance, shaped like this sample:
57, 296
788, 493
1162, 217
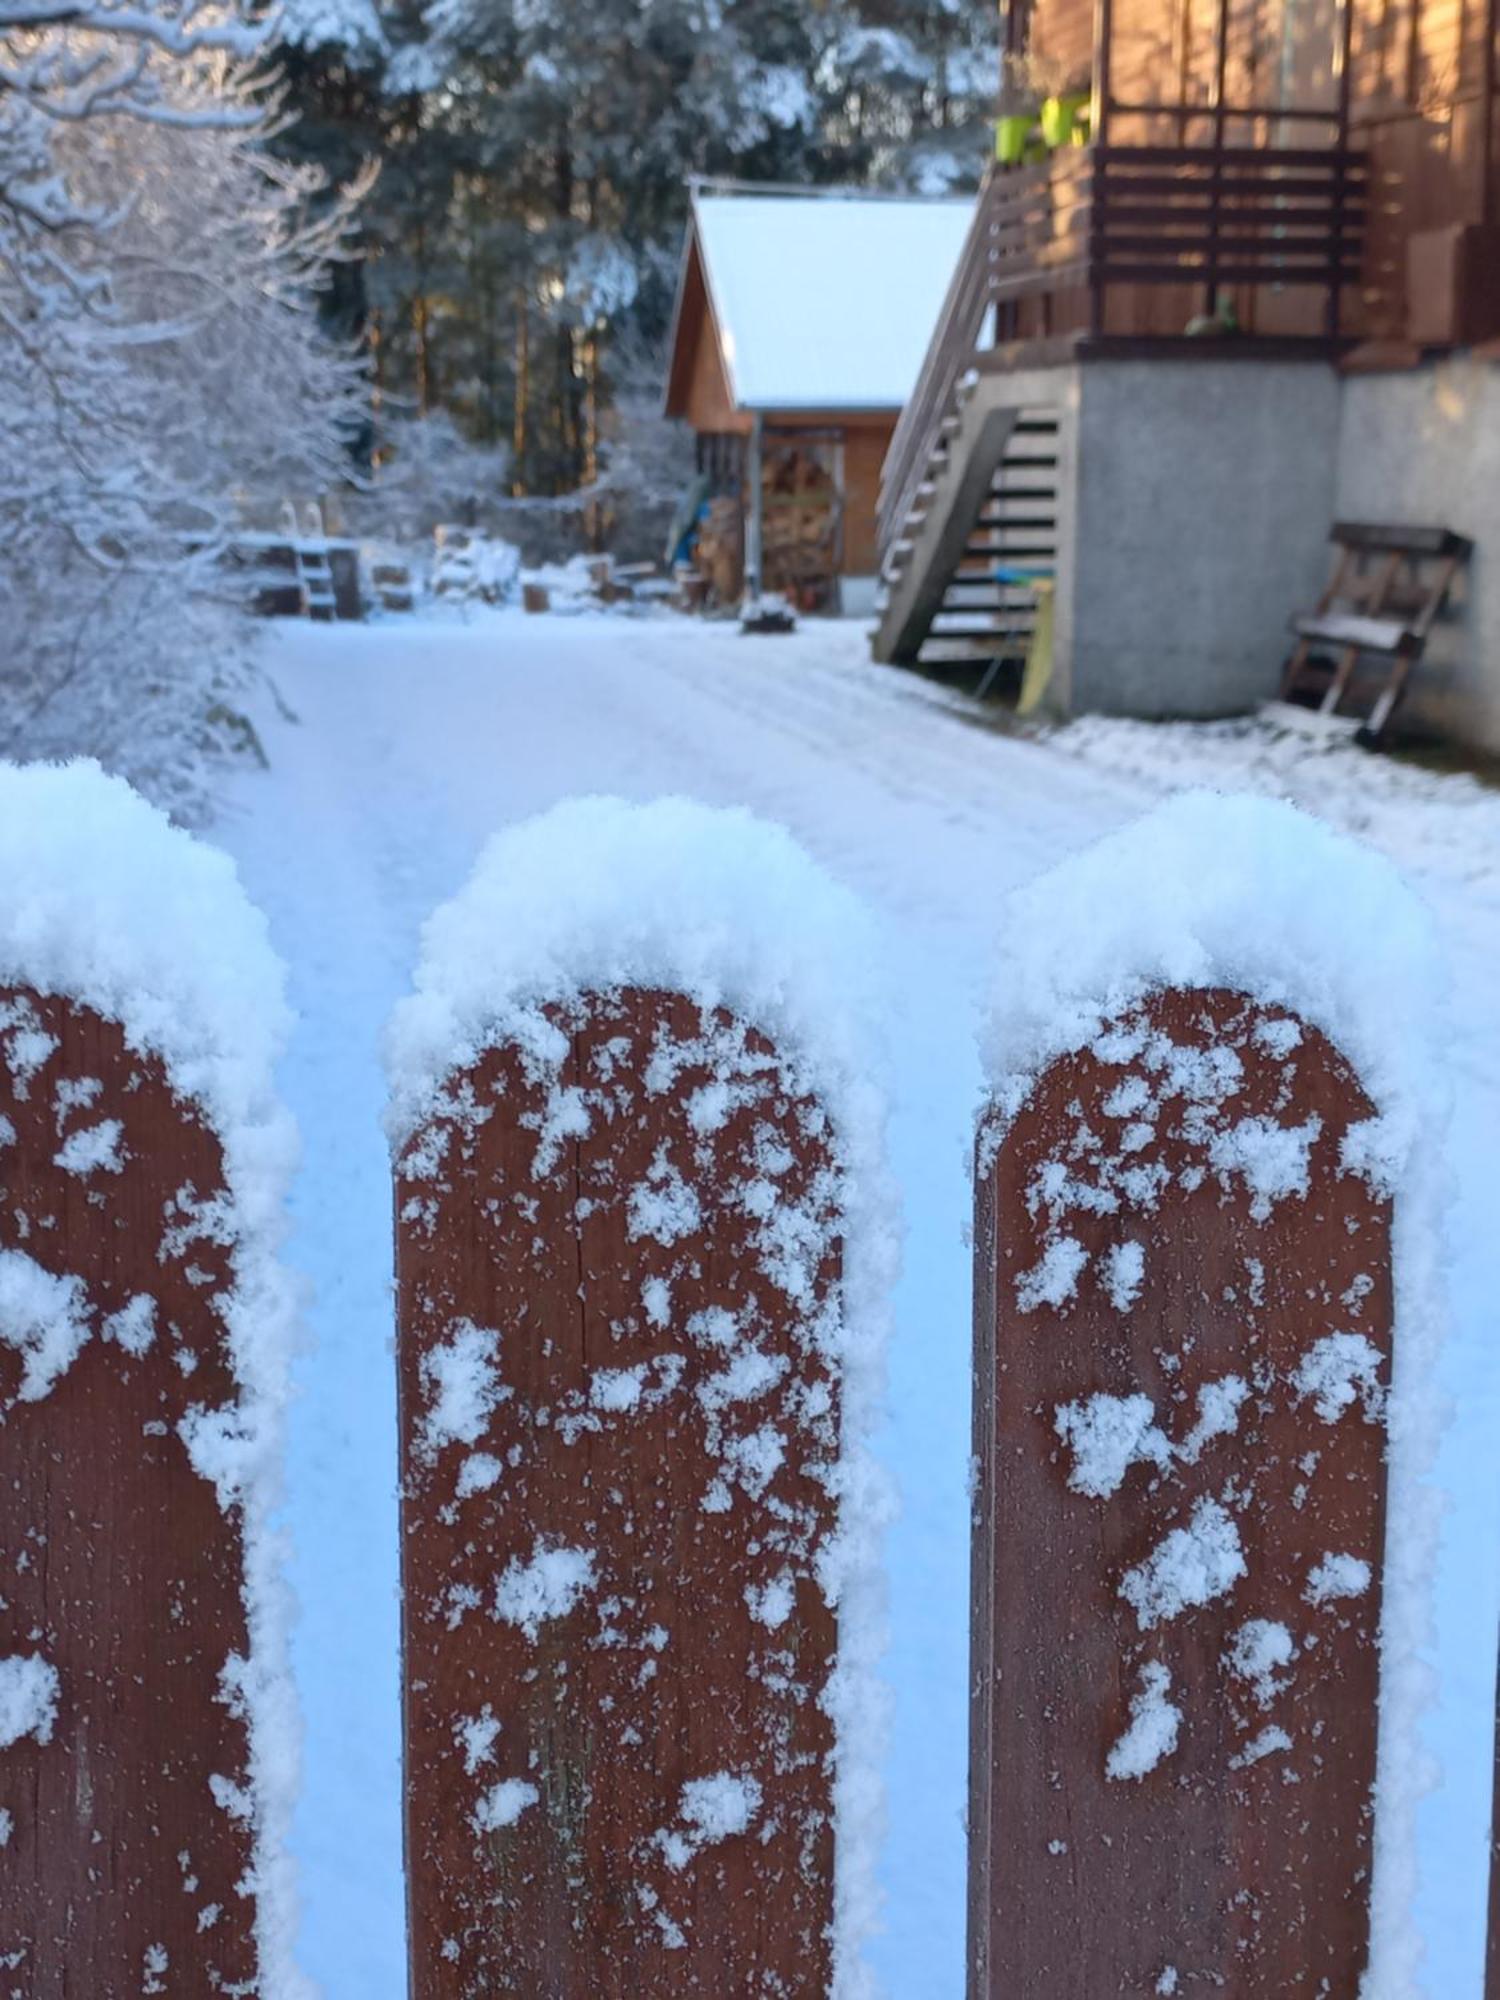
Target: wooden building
1263, 294
801, 322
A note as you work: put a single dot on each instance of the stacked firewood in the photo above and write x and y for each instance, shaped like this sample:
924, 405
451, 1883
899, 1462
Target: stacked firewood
719, 554
800, 539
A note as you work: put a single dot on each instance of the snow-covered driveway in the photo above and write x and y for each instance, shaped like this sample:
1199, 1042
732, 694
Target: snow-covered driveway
412, 742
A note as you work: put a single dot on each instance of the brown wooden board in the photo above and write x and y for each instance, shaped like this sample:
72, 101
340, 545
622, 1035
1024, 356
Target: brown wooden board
120, 1869
665, 1408
1238, 1862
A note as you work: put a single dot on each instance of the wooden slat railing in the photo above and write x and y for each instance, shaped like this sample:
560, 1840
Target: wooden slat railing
954, 339
1228, 215
1105, 216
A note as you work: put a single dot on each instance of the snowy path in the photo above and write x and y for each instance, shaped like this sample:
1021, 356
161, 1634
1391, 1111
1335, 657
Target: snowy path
414, 741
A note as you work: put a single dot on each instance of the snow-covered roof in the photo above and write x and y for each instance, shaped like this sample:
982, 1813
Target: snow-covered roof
826, 302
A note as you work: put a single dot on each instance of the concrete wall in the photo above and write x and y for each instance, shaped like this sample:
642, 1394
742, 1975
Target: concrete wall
1423, 448
1204, 493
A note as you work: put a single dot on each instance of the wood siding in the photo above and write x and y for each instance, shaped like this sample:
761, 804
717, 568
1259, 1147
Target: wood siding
865, 447
1417, 77
708, 402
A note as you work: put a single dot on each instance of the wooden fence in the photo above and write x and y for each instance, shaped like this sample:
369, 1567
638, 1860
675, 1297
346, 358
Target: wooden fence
122, 1594
620, 1432
1182, 1350
142, 1318
623, 1229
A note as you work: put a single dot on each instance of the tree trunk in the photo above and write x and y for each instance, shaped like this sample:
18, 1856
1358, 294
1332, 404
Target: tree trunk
523, 395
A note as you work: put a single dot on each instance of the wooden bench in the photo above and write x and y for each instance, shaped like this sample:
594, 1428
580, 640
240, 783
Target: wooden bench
1388, 586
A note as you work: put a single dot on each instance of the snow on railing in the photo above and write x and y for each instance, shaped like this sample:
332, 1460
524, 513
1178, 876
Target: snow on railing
643, 1256
147, 1736
1207, 1314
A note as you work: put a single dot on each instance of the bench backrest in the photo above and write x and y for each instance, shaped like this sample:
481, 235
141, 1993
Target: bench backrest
1378, 538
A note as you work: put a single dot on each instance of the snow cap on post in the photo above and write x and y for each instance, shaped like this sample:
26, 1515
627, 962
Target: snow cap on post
577, 927
136, 945
598, 895
1242, 895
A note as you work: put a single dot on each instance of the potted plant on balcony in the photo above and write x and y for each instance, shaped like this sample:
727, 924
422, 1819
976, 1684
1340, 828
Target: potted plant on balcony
1062, 88
1017, 112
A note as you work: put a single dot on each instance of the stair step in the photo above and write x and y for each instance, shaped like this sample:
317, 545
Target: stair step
974, 629
939, 652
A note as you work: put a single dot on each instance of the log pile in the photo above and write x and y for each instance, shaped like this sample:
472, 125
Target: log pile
719, 554
800, 537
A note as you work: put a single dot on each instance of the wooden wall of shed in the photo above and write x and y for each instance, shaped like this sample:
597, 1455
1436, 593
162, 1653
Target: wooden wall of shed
709, 404
865, 447
866, 440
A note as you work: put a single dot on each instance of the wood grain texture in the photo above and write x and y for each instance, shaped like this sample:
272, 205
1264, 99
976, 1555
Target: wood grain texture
1241, 1872
701, 1642
120, 1874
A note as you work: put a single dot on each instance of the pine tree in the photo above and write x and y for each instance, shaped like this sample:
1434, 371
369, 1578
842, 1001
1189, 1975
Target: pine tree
523, 242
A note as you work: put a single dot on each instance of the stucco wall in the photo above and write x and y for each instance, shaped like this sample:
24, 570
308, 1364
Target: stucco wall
1423, 448
1204, 493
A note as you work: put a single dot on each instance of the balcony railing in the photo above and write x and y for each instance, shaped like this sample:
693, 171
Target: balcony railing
1084, 232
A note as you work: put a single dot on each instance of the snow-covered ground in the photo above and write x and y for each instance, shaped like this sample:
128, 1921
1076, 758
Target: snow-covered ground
412, 742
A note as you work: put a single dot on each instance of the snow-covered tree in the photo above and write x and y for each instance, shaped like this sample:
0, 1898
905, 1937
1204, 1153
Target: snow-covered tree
526, 232
911, 89
160, 364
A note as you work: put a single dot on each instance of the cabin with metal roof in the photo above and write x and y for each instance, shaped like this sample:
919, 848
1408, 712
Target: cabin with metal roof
802, 319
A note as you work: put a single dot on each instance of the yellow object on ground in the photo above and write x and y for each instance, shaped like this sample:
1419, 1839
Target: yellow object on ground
1038, 673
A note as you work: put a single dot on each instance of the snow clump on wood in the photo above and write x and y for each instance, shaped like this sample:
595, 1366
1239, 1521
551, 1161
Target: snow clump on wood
528, 1594
1339, 1371
1337, 1576
1155, 1723
28, 1698
1192, 1566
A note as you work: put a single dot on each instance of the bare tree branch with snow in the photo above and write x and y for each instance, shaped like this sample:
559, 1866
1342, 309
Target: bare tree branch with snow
160, 364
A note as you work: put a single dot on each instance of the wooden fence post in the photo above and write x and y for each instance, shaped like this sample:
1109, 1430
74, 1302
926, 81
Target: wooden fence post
1184, 1334
141, 1326
627, 1226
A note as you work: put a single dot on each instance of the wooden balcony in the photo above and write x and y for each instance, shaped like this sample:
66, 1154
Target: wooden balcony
1128, 244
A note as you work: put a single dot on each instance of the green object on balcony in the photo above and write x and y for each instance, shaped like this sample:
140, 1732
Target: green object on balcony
1011, 134
1060, 115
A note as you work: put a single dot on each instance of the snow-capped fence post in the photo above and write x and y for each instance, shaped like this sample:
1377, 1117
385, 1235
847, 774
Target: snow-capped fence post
640, 1263
1196, 1624
144, 1743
